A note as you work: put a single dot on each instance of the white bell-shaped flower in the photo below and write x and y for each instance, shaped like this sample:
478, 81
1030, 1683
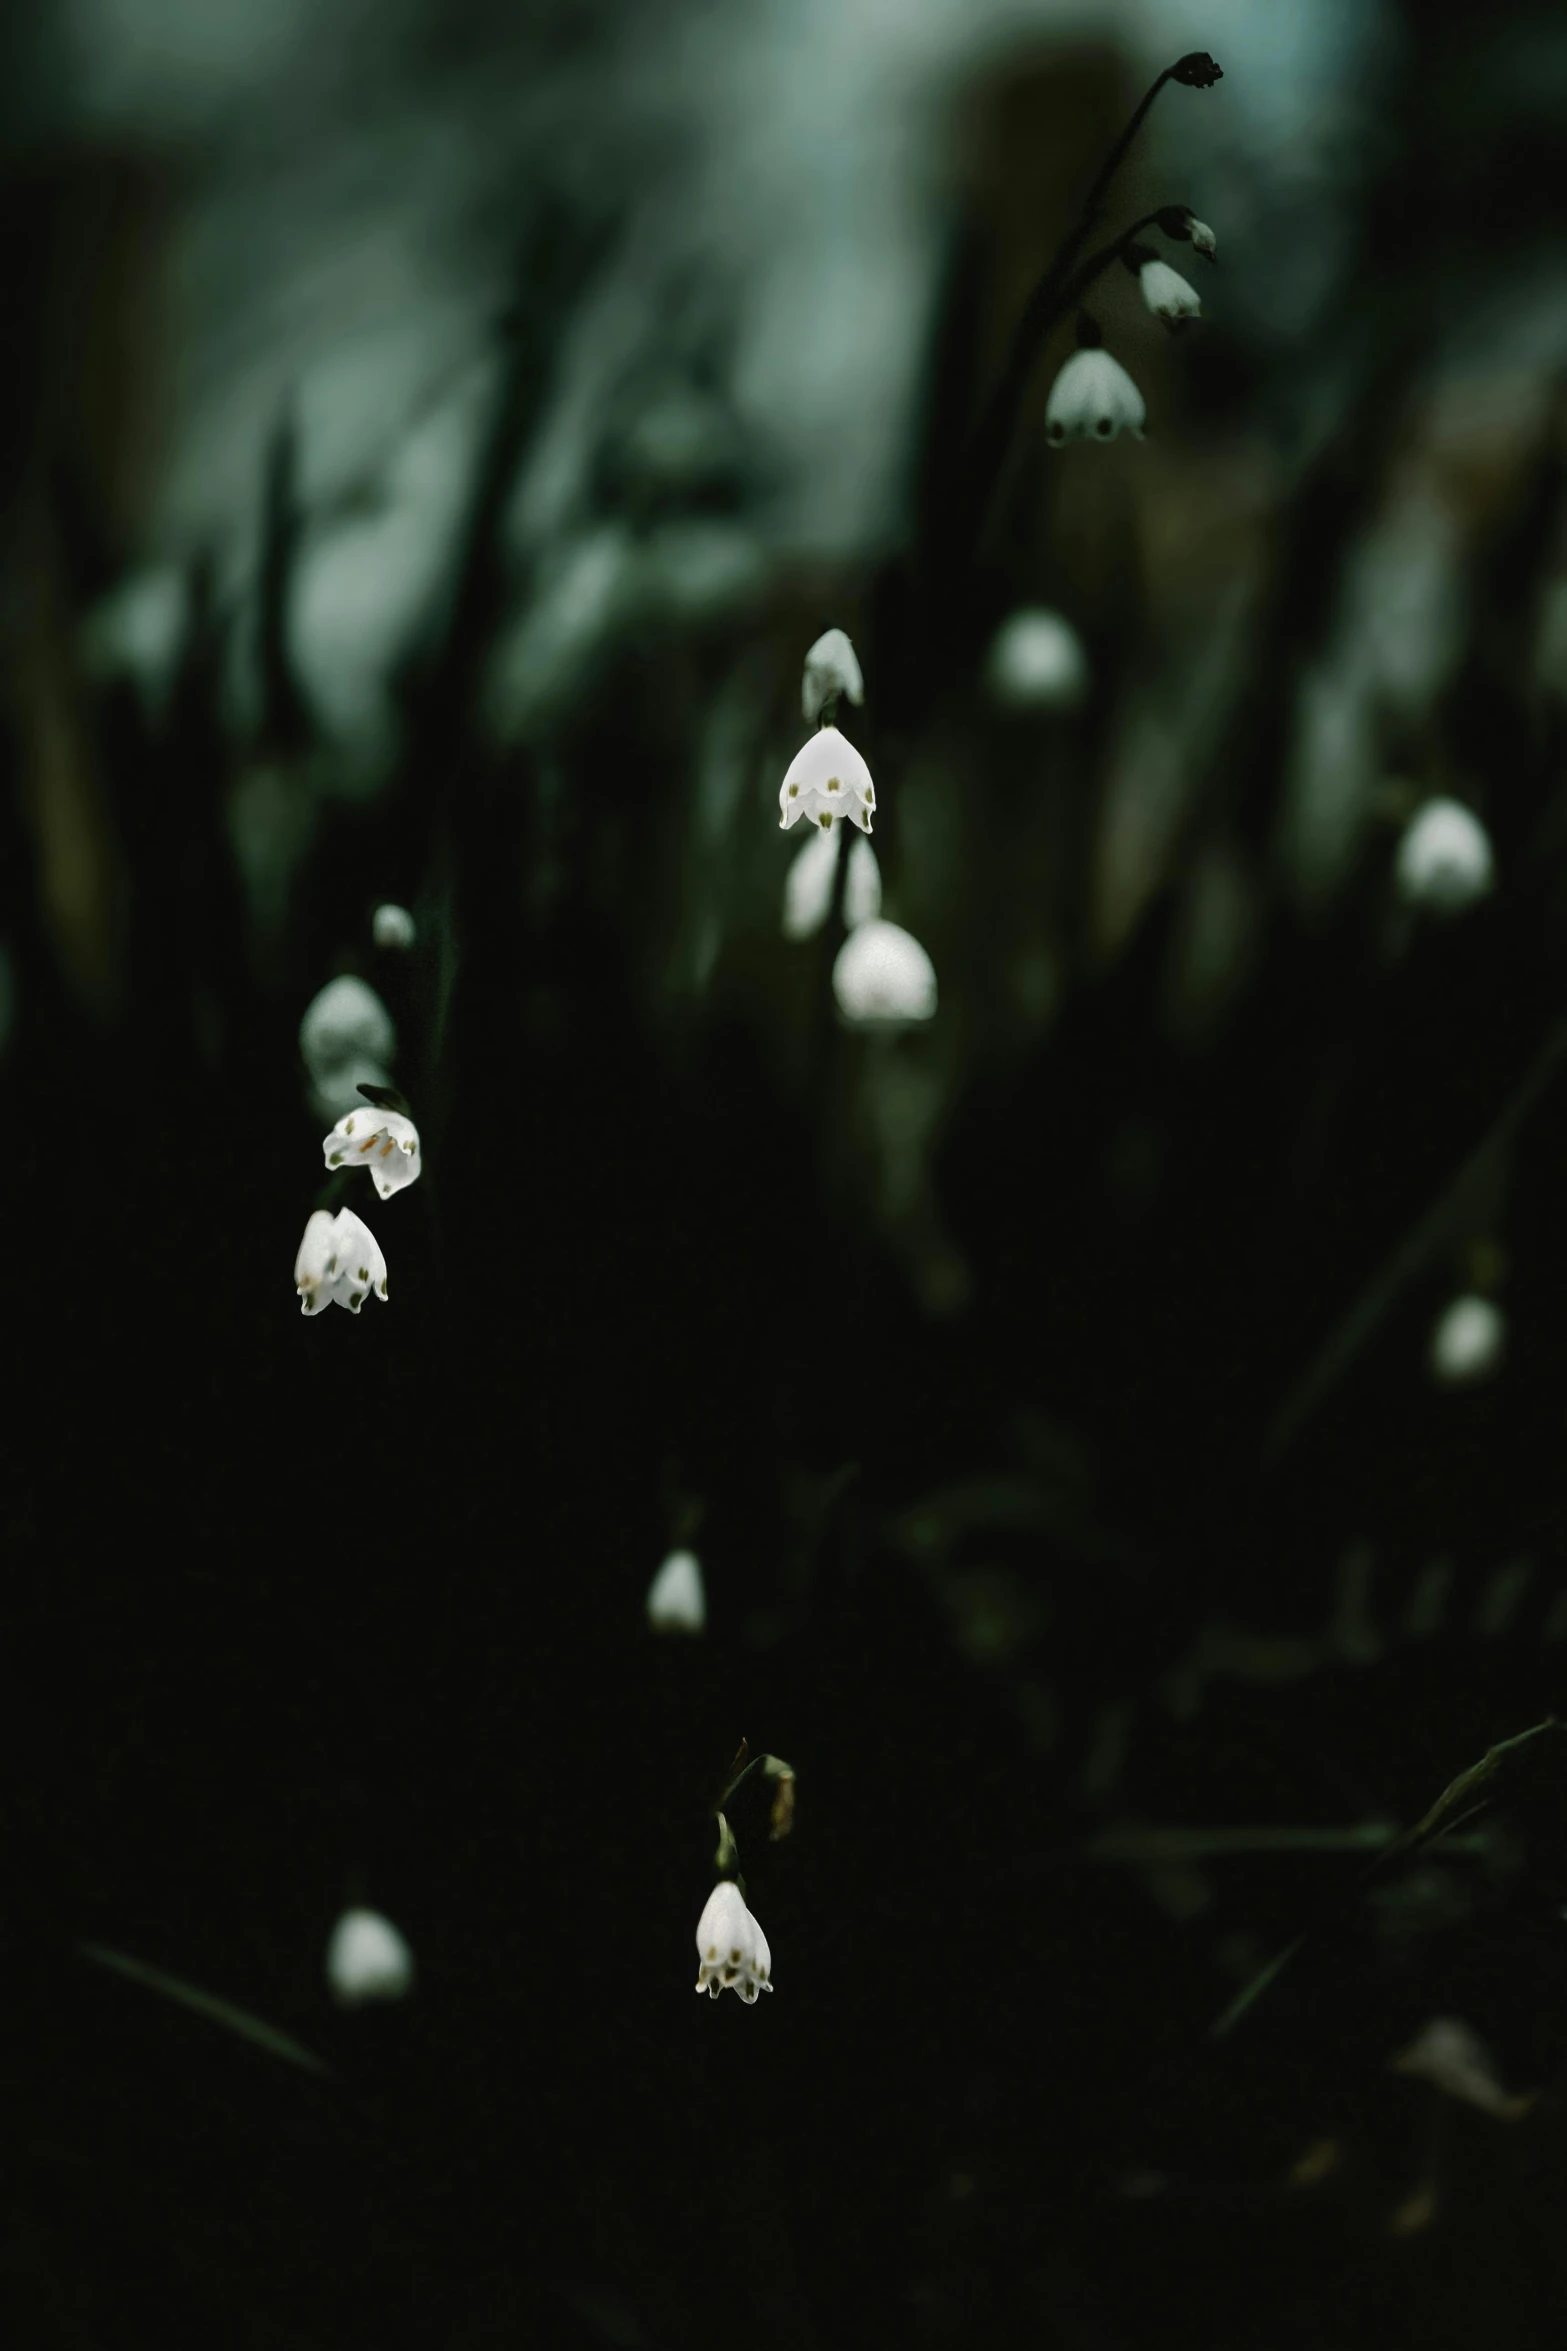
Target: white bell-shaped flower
339, 1263
1203, 239
382, 1140
1467, 1342
1444, 860
731, 1947
809, 882
392, 926
883, 978
827, 778
367, 1959
347, 1019
1168, 295
832, 667
1037, 662
676, 1599
1093, 399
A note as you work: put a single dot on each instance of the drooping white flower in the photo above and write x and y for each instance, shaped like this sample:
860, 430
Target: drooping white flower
832, 667
382, 1140
883, 978
731, 1947
346, 1019
1444, 860
1451, 2056
808, 885
1467, 1341
1203, 240
392, 926
367, 1959
827, 778
1168, 295
676, 1600
339, 1263
1093, 399
1037, 662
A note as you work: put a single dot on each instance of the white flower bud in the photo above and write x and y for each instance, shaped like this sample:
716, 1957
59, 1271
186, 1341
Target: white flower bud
676, 1601
1451, 2056
883, 978
731, 1947
1093, 399
367, 1959
1203, 240
339, 1263
1168, 295
1037, 662
392, 926
827, 778
1467, 1341
831, 668
347, 1019
382, 1140
808, 885
1444, 859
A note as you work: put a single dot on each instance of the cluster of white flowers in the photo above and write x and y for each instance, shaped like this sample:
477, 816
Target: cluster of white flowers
882, 978
345, 1029
731, 1947
1093, 398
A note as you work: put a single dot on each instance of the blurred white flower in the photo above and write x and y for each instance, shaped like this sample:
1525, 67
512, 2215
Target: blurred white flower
1093, 399
1451, 2056
382, 1140
827, 778
345, 1019
345, 1039
367, 1959
676, 1601
732, 1947
831, 668
808, 885
339, 1262
1203, 240
883, 978
1037, 662
1467, 1341
1444, 859
392, 926
1168, 295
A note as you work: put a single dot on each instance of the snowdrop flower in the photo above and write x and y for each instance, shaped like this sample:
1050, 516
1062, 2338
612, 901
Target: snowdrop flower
1093, 399
339, 1262
831, 668
883, 978
346, 1019
1168, 294
367, 1959
827, 778
392, 926
1467, 1341
676, 1601
1203, 239
1037, 662
808, 886
1452, 2057
732, 1947
1444, 859
382, 1140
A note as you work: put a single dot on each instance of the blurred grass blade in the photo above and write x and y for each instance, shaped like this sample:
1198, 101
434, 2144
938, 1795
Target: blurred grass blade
220, 2012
